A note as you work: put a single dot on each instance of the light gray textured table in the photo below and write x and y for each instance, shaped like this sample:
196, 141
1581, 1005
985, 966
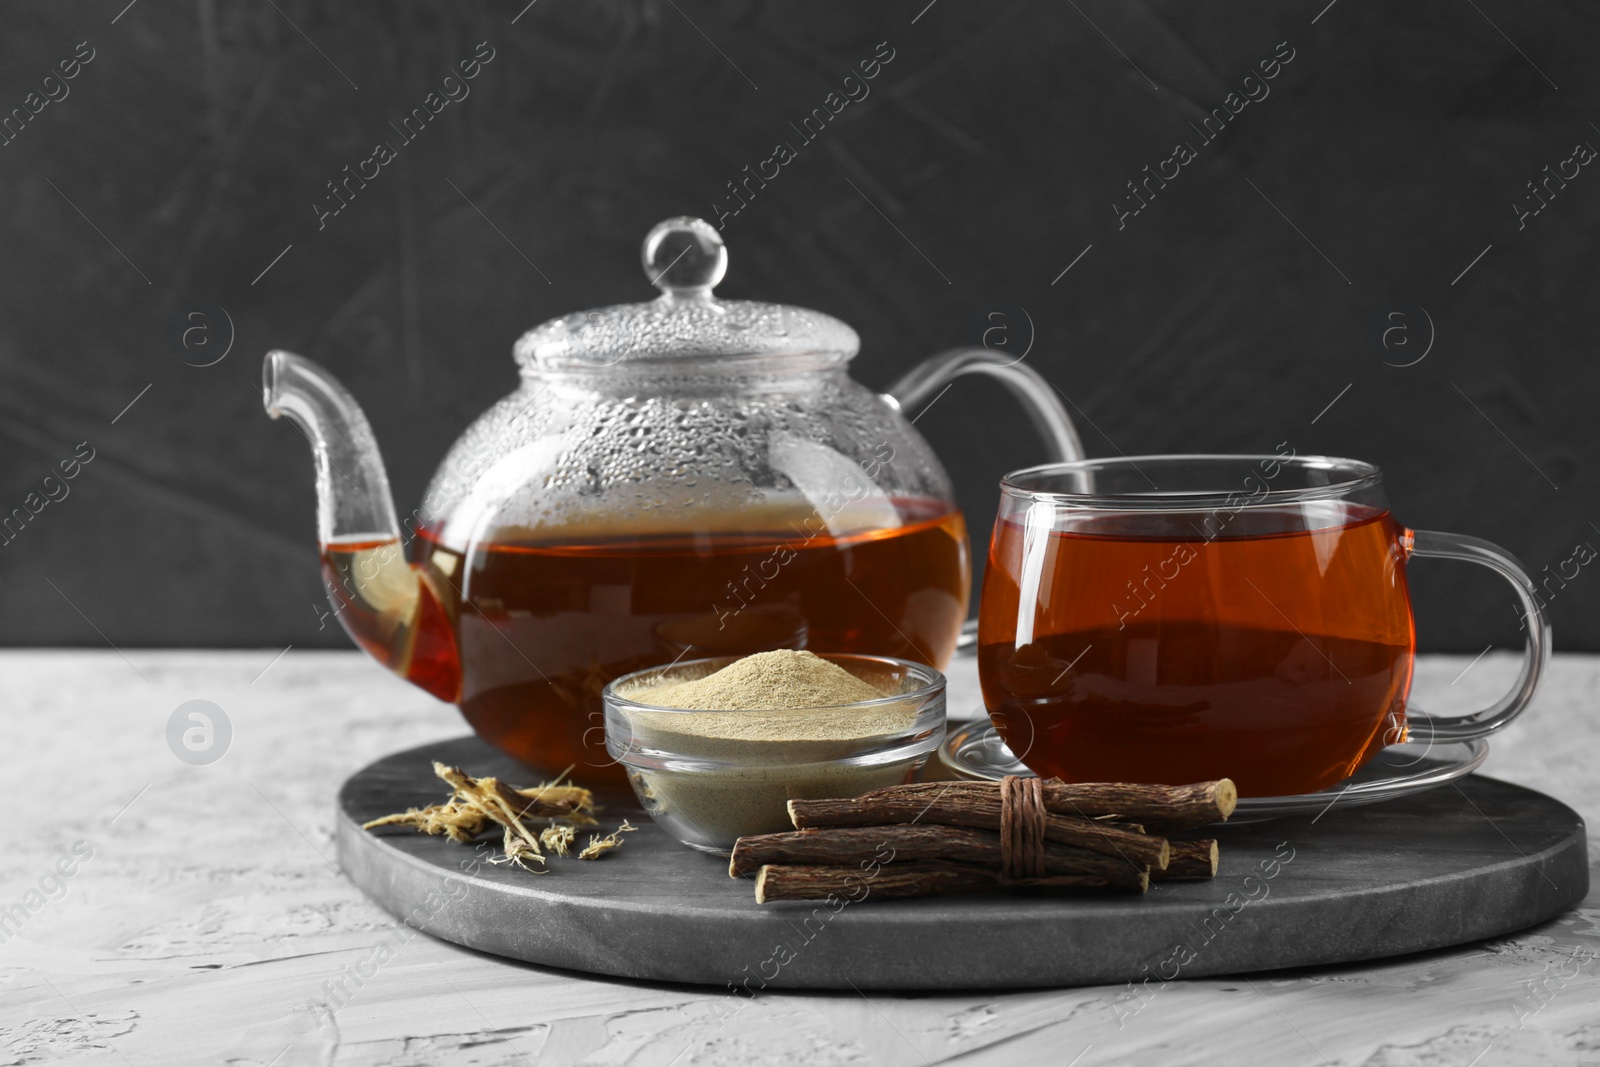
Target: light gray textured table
209, 921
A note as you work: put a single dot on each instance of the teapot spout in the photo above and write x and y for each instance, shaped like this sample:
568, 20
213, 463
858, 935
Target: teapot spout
384, 603
353, 498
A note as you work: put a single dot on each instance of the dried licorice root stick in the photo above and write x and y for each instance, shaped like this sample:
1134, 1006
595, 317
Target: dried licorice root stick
521, 844
503, 803
478, 803
919, 842
979, 811
776, 882
570, 803
1158, 808
460, 822
1191, 861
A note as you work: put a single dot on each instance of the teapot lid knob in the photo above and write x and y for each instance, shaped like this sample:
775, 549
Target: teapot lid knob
684, 257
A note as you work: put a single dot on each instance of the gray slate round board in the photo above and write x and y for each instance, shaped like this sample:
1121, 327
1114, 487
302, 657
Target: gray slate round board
1414, 874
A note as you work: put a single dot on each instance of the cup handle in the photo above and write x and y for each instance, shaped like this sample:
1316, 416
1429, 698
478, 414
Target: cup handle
923, 384
1536, 656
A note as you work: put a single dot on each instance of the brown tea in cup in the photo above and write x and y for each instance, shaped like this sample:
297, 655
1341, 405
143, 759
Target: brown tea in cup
1185, 618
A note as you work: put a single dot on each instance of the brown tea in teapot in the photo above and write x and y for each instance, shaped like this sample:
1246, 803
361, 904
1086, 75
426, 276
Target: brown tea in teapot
524, 634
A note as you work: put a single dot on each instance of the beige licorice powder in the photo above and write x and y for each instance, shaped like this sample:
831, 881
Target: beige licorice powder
778, 716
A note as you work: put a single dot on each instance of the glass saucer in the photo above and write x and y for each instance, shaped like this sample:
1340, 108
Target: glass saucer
976, 751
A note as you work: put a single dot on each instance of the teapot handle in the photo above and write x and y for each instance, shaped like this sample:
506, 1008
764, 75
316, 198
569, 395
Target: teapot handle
922, 384
926, 382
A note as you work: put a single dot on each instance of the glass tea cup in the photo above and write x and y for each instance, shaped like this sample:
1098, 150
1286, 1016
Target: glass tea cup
1184, 618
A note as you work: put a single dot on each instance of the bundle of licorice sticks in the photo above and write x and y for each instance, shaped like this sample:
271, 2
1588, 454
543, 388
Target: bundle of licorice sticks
939, 837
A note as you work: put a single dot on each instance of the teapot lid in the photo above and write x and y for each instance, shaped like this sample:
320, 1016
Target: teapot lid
685, 258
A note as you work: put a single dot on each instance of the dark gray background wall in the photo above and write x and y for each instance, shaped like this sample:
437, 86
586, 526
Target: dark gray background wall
1249, 295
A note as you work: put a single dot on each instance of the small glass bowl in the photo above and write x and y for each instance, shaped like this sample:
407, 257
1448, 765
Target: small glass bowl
710, 777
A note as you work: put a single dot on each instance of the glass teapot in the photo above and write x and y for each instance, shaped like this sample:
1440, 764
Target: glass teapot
685, 477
